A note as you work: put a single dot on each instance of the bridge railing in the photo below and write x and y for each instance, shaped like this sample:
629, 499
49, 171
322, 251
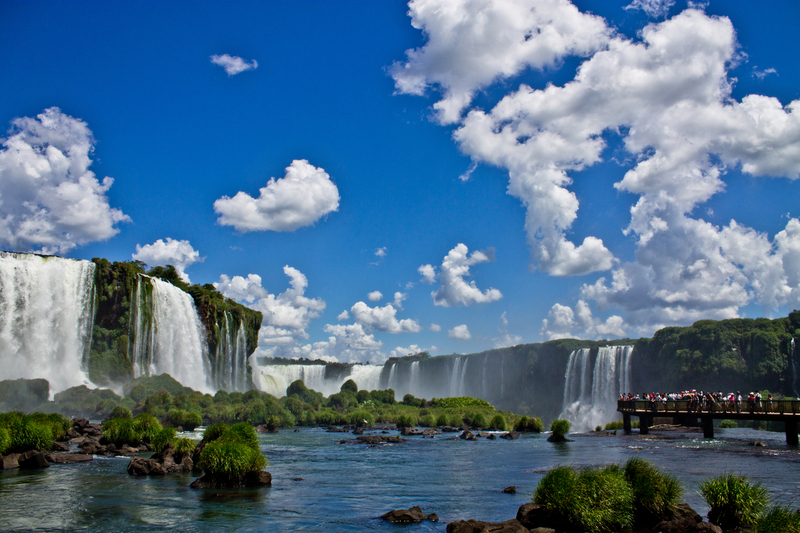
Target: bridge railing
783, 406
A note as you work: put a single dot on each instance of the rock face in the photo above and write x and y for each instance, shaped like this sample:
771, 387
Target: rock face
532, 515
165, 462
33, 459
253, 479
476, 526
407, 516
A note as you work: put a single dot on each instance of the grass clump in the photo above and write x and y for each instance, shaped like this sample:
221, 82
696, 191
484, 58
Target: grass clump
231, 451
728, 424
733, 500
778, 520
533, 424
590, 500
655, 492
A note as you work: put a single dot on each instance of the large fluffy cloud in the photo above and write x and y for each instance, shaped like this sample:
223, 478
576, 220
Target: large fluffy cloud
383, 319
454, 289
50, 201
667, 96
299, 199
286, 315
472, 43
179, 254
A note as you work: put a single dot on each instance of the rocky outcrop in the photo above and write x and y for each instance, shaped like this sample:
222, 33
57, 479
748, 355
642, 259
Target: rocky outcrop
165, 462
68, 458
467, 435
407, 516
511, 435
373, 439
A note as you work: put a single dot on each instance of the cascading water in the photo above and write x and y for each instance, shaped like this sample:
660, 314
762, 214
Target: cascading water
592, 402
793, 358
275, 379
46, 316
230, 363
168, 336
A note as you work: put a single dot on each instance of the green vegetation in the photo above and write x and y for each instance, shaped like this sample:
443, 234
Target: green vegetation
618, 424
533, 424
733, 500
559, 428
654, 491
21, 432
778, 520
145, 428
231, 451
590, 500
728, 424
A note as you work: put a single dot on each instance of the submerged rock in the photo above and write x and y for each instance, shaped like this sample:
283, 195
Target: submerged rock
467, 435
373, 439
33, 459
145, 467
511, 435
68, 458
476, 526
411, 431
510, 490
407, 516
261, 478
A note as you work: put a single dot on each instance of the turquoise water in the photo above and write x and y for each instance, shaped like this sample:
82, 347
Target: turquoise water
321, 485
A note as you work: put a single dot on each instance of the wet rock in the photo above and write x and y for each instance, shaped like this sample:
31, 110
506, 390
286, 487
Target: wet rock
431, 431
68, 458
511, 435
757, 443
373, 439
411, 431
476, 526
334, 429
216, 481
407, 516
492, 436
483, 434
450, 429
467, 435
510, 490
145, 467
358, 431
10, 461
59, 447
33, 459
532, 515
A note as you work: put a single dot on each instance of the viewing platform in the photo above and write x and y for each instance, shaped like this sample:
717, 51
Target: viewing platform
689, 413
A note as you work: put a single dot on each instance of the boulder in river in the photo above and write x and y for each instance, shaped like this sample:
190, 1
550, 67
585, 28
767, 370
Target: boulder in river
407, 516
33, 459
68, 458
467, 435
261, 478
511, 435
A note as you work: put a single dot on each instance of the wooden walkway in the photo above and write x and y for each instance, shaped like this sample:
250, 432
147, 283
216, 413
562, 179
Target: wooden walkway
682, 411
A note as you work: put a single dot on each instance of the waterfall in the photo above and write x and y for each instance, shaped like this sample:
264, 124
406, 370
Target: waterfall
230, 363
793, 358
275, 379
168, 336
414, 385
589, 402
46, 318
391, 382
455, 377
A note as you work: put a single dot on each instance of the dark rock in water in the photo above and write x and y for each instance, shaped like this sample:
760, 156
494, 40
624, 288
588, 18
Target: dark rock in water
373, 439
483, 434
358, 431
476, 526
492, 436
757, 443
33, 459
145, 467
334, 429
510, 490
431, 431
467, 435
261, 428
533, 515
59, 447
217, 481
511, 435
407, 516
450, 429
10, 461
68, 458
92, 447
411, 431
684, 519
558, 438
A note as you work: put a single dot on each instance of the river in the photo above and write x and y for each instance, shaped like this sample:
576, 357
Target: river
321, 485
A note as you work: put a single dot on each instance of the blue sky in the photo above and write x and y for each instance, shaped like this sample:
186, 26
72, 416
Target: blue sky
481, 145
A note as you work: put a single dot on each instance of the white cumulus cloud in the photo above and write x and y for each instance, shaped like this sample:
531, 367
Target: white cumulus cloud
179, 254
505, 338
299, 199
382, 319
50, 202
374, 296
460, 333
233, 64
453, 288
435, 327
286, 315
653, 8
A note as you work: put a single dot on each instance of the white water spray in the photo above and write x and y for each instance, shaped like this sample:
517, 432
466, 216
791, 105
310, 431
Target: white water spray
230, 366
275, 379
168, 336
46, 318
589, 402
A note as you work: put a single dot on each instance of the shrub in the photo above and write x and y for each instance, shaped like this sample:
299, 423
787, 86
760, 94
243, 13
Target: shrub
559, 428
594, 500
349, 385
122, 431
119, 412
5, 440
533, 424
233, 453
147, 426
214, 431
184, 446
654, 491
479, 421
441, 420
160, 440
28, 434
498, 422
728, 424
733, 500
407, 421
779, 520
460, 402
361, 418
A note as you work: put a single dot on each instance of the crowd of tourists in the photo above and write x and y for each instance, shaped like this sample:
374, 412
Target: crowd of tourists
731, 402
